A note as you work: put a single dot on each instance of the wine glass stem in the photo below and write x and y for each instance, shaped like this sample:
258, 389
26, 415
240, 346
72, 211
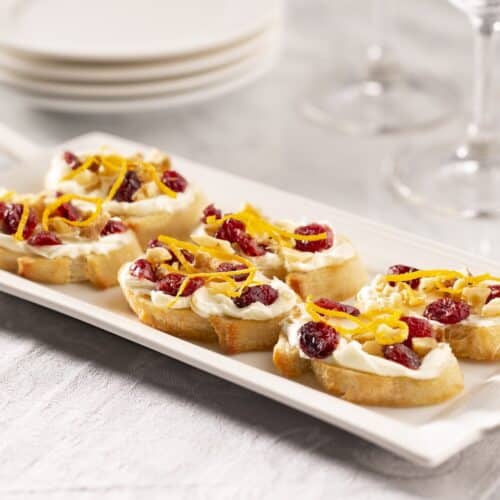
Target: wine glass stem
381, 64
482, 125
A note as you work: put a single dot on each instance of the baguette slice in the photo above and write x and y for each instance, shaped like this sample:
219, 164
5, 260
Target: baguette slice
333, 282
367, 388
233, 335
468, 341
100, 269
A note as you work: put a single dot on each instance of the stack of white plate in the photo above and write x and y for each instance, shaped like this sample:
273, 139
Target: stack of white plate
133, 55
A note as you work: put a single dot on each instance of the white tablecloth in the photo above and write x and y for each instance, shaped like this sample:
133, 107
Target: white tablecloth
87, 415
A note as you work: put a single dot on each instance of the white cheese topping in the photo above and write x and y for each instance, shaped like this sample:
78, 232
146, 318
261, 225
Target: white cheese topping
158, 203
351, 355
71, 248
147, 288
341, 251
206, 303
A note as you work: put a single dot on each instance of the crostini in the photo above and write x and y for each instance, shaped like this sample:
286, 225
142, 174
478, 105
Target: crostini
149, 196
380, 358
204, 293
311, 258
53, 241
465, 308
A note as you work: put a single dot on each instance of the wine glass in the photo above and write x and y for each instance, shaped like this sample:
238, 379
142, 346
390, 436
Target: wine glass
386, 99
462, 178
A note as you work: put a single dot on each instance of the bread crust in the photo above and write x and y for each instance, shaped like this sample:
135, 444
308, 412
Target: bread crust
182, 323
238, 335
367, 388
479, 343
333, 282
100, 269
179, 224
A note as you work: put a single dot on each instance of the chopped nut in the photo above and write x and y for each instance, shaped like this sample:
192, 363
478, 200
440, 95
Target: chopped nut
61, 227
158, 255
476, 297
492, 308
373, 348
423, 345
88, 179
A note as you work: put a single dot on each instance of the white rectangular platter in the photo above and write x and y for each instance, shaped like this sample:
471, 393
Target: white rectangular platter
427, 436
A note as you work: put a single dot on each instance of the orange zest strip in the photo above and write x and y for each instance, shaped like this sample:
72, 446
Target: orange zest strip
235, 289
396, 331
122, 165
18, 235
443, 275
258, 226
52, 207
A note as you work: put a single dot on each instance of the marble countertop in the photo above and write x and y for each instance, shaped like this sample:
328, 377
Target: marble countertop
88, 415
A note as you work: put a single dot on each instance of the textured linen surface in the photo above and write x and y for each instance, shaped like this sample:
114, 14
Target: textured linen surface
84, 414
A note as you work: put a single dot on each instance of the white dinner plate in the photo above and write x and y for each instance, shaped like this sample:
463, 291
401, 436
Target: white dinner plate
157, 102
138, 71
136, 89
427, 435
129, 30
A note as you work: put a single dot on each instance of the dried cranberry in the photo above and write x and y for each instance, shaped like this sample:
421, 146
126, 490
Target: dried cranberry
128, 187
113, 226
143, 270
68, 211
249, 245
3, 206
402, 269
224, 267
332, 305
44, 238
402, 354
211, 211
494, 293
12, 216
447, 311
155, 243
314, 246
175, 181
318, 340
71, 160
417, 327
231, 230
264, 294
171, 283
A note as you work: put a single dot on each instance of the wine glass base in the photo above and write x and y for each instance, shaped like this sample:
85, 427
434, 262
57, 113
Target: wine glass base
375, 108
450, 180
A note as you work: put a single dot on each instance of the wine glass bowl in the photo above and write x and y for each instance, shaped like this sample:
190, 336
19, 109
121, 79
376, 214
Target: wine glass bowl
385, 99
462, 178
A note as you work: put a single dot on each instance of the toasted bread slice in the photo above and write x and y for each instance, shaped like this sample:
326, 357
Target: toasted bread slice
100, 269
367, 388
333, 282
179, 224
469, 341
